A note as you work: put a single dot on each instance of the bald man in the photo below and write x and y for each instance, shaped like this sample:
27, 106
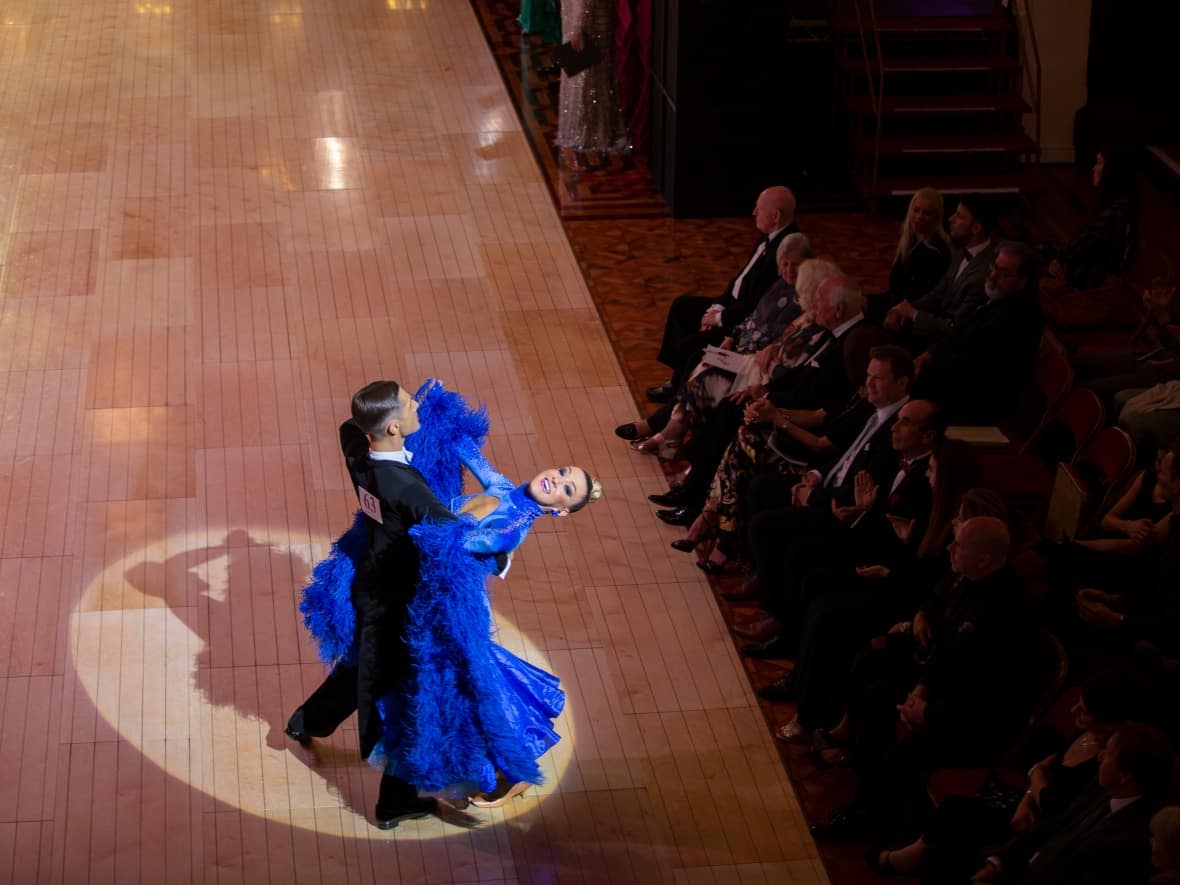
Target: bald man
694, 321
953, 687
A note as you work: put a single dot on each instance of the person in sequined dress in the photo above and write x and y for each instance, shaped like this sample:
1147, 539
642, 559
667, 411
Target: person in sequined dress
589, 115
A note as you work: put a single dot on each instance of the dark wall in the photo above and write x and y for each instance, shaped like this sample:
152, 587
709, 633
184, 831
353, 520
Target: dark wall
1132, 75
731, 99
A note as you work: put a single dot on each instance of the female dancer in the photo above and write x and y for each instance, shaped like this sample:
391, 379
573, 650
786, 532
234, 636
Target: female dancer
471, 717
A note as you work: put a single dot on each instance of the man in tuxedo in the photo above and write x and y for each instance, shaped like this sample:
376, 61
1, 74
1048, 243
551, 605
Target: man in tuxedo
783, 515
695, 321
884, 525
1104, 836
978, 370
394, 497
950, 687
961, 288
818, 382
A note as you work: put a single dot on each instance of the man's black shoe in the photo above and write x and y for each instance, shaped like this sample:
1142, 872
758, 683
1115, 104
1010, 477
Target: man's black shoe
675, 498
294, 729
679, 516
419, 806
661, 394
777, 648
783, 689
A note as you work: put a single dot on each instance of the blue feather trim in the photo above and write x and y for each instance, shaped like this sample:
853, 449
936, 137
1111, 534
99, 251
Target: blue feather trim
327, 599
446, 423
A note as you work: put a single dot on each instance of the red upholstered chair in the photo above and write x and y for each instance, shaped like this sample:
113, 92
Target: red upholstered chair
1027, 478
1107, 458
1051, 381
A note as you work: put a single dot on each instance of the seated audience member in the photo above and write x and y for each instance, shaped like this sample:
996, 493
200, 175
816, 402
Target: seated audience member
1145, 607
1103, 836
817, 381
927, 319
783, 512
1165, 846
802, 436
883, 523
778, 308
1150, 416
844, 606
950, 688
978, 370
923, 254
1110, 371
802, 336
964, 826
1135, 524
696, 320
1101, 248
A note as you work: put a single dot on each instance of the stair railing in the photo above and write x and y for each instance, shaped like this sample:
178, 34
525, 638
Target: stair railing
1021, 10
876, 85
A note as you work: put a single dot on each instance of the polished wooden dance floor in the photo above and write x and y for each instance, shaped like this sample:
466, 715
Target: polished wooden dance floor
218, 219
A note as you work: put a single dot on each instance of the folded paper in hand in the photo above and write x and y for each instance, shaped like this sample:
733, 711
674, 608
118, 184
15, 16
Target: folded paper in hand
574, 61
728, 360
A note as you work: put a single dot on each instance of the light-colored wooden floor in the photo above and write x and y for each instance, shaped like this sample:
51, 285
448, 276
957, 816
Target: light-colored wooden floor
217, 219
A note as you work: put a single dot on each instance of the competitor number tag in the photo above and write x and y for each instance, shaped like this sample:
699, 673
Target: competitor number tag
369, 504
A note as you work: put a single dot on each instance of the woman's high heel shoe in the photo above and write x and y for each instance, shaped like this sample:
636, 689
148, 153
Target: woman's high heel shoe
666, 449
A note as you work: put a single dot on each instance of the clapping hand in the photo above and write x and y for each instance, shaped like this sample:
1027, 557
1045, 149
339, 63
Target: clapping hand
875, 572
902, 527
864, 490
922, 631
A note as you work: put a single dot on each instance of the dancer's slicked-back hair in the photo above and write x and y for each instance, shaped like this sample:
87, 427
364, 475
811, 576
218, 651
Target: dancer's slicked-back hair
375, 405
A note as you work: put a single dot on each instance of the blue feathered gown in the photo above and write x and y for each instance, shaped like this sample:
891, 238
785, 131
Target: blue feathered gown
471, 708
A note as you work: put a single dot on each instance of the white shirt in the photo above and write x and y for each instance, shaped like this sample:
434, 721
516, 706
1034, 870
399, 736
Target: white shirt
401, 456
969, 253
836, 475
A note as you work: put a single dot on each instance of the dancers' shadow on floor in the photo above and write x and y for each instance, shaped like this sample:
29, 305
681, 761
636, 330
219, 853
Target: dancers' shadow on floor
236, 596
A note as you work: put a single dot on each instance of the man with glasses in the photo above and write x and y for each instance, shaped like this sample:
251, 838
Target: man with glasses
977, 371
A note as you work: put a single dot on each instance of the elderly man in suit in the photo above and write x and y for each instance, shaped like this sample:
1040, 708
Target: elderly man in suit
1104, 836
961, 290
950, 687
694, 321
782, 514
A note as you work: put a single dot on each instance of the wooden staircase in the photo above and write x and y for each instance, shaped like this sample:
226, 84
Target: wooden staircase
935, 100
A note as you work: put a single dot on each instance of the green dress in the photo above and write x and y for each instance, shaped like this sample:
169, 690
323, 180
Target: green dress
541, 17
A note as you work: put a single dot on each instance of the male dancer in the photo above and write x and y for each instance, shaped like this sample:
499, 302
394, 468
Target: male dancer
394, 497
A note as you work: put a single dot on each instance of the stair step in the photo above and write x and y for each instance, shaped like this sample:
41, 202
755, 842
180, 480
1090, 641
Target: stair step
896, 145
931, 64
1020, 181
942, 104
926, 24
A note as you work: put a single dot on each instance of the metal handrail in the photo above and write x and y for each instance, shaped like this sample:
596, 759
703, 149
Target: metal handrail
1035, 85
877, 92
